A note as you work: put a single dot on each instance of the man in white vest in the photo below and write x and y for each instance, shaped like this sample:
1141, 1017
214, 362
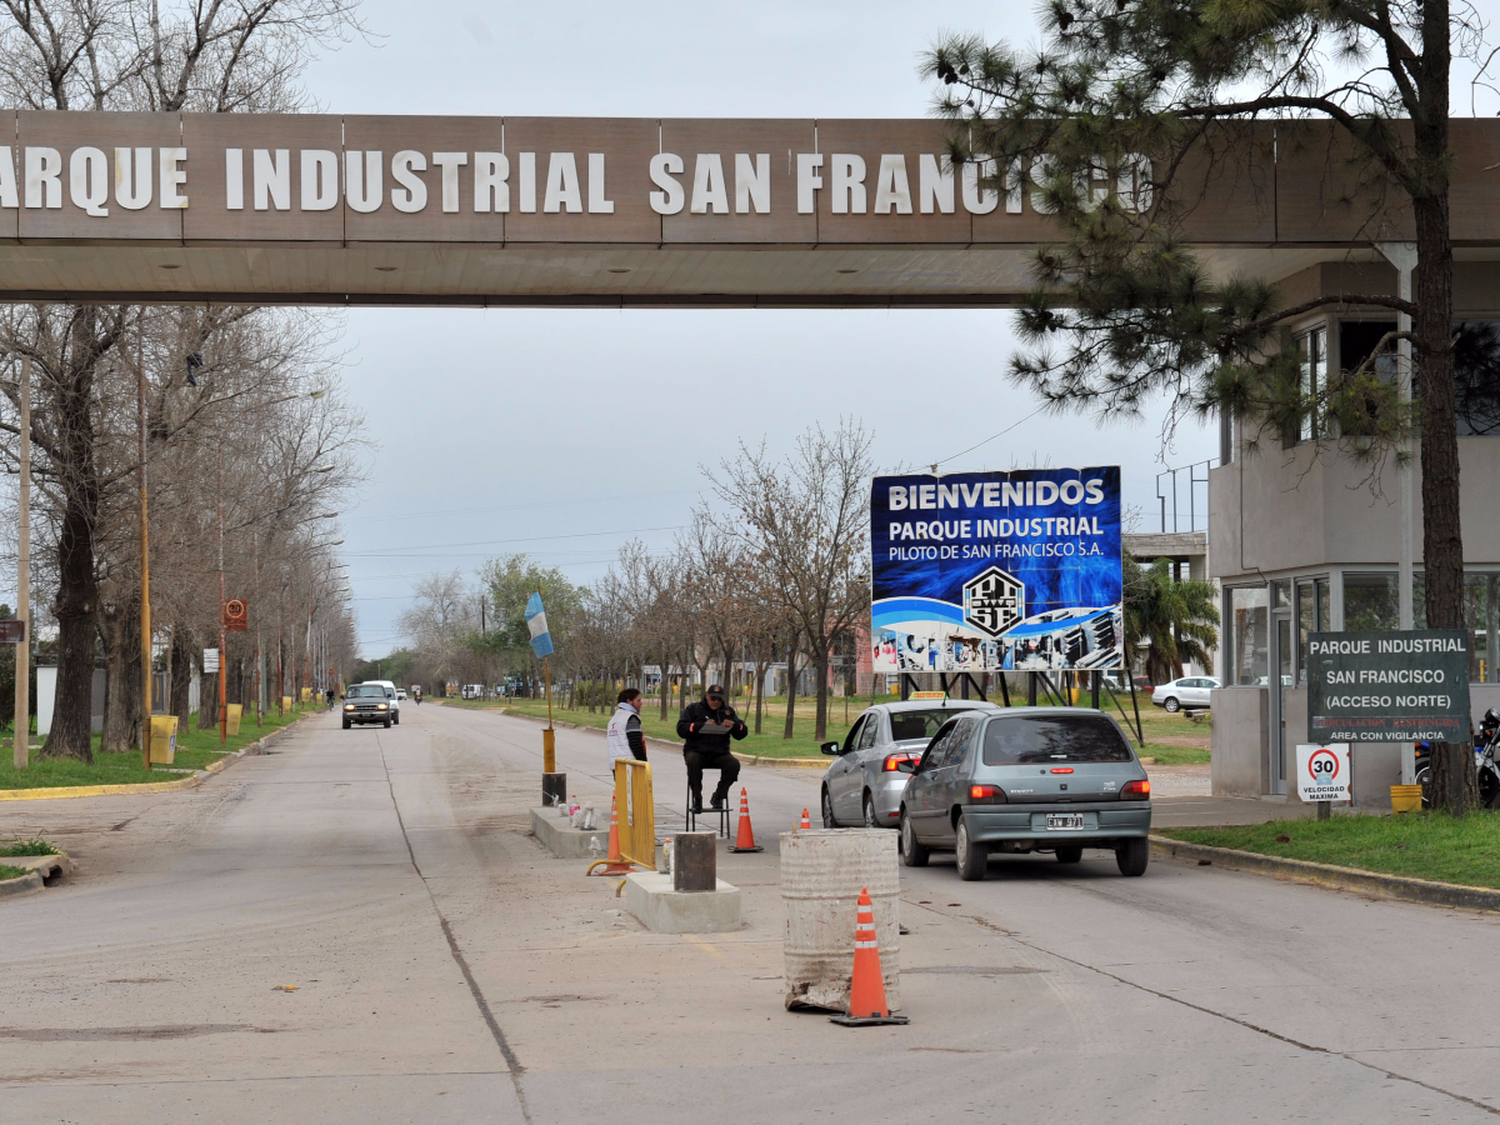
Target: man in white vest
623, 737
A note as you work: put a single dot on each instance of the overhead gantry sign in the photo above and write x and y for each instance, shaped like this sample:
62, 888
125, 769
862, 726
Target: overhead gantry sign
324, 209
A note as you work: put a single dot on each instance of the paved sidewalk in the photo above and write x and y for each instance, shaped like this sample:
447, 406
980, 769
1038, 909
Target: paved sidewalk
1212, 812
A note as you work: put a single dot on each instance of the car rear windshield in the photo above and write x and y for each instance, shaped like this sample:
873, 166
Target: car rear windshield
907, 725
1058, 738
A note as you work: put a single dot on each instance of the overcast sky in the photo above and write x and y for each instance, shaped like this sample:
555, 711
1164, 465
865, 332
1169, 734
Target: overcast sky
563, 433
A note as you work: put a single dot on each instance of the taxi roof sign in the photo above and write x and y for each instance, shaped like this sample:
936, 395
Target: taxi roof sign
928, 695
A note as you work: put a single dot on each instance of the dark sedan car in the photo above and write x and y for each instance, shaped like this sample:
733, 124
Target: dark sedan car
366, 703
1032, 779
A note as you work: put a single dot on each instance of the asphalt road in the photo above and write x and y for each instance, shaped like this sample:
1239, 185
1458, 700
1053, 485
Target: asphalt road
358, 928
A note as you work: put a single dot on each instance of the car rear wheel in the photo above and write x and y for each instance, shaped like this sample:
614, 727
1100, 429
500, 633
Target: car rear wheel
1171, 705
1071, 854
1133, 855
871, 821
913, 854
973, 859
828, 820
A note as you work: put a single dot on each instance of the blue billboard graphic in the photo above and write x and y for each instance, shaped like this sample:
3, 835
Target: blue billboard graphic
979, 572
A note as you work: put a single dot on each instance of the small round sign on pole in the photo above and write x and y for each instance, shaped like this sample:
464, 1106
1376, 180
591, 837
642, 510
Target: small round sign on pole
1323, 776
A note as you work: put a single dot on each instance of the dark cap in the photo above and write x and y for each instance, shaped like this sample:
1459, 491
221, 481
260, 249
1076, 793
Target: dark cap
714, 689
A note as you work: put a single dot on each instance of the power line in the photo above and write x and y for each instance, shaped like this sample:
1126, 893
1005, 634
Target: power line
992, 437
387, 553
521, 507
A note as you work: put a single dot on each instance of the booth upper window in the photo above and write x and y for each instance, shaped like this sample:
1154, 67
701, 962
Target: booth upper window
1476, 375
1314, 346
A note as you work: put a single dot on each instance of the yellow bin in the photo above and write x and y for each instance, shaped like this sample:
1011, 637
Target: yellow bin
307, 695
1406, 798
163, 740
232, 718
286, 704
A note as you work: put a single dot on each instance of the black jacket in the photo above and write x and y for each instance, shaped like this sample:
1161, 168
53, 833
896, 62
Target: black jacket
691, 721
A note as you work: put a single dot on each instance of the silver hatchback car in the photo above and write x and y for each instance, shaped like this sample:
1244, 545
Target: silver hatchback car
1040, 779
864, 785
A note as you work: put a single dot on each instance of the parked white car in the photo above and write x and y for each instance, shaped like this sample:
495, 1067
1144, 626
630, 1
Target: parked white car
1187, 694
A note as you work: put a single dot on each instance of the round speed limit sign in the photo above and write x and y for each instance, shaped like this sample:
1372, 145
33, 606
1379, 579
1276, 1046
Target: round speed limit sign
1323, 772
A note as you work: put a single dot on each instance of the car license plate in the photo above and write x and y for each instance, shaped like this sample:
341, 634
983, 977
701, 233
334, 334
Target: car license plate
1064, 821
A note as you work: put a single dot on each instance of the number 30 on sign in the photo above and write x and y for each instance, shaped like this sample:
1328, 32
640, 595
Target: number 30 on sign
1323, 773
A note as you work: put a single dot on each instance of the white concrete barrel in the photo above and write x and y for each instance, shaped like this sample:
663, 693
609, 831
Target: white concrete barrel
822, 871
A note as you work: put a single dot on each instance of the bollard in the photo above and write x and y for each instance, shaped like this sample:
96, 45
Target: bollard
555, 790
694, 862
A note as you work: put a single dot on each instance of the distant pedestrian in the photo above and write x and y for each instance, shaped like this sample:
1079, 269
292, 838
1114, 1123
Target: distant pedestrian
706, 728
623, 737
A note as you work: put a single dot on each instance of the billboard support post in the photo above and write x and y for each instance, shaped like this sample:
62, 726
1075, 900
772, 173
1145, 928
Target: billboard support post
1031, 689
1004, 688
1140, 733
1094, 689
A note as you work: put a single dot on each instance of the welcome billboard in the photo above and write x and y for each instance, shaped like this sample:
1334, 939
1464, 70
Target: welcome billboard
992, 571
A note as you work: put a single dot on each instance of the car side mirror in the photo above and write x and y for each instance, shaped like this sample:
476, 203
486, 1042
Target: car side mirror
830, 747
906, 766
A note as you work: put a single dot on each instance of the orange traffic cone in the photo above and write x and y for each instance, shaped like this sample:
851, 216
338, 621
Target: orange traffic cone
867, 1005
745, 842
615, 863
806, 823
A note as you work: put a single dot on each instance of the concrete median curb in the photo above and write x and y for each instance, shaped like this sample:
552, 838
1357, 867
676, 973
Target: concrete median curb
27, 883
191, 781
1402, 888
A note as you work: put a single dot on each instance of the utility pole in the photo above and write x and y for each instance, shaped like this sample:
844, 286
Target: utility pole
259, 656
223, 652
21, 742
140, 425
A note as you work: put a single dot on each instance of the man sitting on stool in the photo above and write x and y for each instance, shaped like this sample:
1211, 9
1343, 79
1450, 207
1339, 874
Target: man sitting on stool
706, 728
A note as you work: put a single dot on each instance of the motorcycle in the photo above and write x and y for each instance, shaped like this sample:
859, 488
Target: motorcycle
1486, 742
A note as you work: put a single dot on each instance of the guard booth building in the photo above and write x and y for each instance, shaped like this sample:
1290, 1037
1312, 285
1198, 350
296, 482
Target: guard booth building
1308, 539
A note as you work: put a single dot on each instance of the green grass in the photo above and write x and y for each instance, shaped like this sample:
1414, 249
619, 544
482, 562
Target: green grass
35, 846
1158, 725
196, 749
9, 872
1428, 845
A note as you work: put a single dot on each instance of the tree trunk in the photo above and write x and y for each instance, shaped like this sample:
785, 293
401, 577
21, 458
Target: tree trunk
760, 691
76, 606
182, 680
820, 669
1455, 785
791, 693
208, 698
120, 633
1453, 762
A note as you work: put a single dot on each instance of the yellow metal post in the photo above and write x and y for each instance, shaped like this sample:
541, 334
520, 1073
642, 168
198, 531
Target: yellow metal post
549, 736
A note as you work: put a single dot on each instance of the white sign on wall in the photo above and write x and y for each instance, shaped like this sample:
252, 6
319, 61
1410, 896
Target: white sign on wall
1323, 773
